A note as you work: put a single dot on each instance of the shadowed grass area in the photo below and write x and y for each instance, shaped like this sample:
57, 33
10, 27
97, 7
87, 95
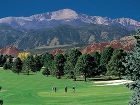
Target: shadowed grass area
37, 90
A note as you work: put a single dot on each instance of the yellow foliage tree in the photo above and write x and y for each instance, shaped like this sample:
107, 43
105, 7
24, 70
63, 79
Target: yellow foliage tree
23, 55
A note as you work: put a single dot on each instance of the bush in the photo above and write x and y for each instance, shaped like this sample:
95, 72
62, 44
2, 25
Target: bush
0, 88
1, 102
5, 66
46, 72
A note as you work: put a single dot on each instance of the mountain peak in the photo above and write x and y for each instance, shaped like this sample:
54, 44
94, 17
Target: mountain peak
64, 14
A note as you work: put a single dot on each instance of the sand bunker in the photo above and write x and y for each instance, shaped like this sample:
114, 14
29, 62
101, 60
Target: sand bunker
112, 82
3, 90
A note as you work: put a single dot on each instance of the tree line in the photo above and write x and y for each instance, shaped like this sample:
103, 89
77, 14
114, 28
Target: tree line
71, 64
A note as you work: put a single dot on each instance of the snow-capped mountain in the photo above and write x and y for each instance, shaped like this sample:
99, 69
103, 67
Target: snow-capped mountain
65, 16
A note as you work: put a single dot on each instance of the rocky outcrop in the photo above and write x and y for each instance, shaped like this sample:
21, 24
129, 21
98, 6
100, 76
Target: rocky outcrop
56, 51
10, 50
123, 44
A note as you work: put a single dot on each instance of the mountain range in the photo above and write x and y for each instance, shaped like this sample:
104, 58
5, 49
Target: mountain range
62, 27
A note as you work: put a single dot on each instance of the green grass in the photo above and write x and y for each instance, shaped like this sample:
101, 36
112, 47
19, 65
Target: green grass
37, 90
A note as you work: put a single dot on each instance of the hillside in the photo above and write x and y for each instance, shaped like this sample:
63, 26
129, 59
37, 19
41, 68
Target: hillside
63, 27
61, 35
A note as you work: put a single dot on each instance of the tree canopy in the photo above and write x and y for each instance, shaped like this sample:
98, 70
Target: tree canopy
132, 65
85, 65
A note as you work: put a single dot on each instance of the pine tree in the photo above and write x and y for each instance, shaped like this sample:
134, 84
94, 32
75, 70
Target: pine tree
29, 65
115, 66
9, 63
96, 57
49, 63
1, 56
1, 102
105, 57
38, 64
59, 61
3, 59
132, 64
46, 72
71, 61
17, 65
84, 65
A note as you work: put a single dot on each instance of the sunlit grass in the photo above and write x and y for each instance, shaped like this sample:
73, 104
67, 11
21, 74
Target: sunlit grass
37, 90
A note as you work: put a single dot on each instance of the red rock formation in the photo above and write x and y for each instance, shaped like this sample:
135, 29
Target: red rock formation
11, 50
56, 51
114, 44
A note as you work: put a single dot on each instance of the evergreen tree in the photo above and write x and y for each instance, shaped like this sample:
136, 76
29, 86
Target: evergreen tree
132, 64
26, 67
85, 65
46, 72
38, 64
17, 65
3, 59
5, 66
9, 63
29, 65
1, 102
71, 61
96, 57
59, 61
105, 58
49, 63
1, 56
115, 66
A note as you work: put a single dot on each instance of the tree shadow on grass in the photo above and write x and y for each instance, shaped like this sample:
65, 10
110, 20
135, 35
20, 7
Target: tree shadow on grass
29, 74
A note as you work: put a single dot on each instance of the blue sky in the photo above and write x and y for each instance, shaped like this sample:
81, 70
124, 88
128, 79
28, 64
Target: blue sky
109, 8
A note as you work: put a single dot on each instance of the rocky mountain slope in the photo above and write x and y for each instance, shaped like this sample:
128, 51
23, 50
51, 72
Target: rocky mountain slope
61, 35
62, 27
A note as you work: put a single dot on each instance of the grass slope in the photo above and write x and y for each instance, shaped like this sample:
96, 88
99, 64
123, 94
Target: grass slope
37, 90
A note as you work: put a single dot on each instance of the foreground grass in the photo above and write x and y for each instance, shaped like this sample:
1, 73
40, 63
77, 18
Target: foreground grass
37, 90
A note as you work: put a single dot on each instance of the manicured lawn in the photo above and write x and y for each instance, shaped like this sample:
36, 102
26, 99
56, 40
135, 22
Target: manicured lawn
37, 90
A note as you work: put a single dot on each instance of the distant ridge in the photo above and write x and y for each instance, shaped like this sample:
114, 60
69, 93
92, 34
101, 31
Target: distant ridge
65, 16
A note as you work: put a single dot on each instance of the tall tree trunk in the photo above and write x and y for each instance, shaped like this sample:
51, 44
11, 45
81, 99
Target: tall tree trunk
18, 72
28, 72
85, 77
74, 78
